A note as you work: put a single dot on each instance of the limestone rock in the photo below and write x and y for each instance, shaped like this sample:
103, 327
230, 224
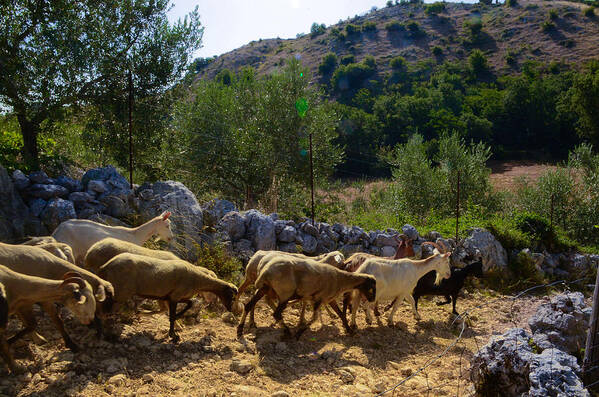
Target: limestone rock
20, 180
410, 231
214, 210
56, 212
46, 192
233, 223
241, 366
288, 234
481, 243
555, 373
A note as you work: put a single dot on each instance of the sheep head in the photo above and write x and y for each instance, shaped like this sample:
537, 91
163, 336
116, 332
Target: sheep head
227, 296
78, 297
368, 288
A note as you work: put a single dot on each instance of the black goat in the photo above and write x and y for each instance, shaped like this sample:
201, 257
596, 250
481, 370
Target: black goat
450, 288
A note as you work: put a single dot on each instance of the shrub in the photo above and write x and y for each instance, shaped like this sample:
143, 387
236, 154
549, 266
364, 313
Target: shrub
328, 64
478, 62
398, 63
337, 34
347, 59
317, 29
369, 27
352, 75
389, 3
394, 26
511, 3
589, 12
473, 27
553, 14
510, 58
352, 29
486, 2
214, 257
415, 29
547, 26
434, 8
437, 51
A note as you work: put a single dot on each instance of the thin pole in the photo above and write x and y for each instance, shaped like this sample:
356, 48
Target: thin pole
130, 79
551, 215
457, 211
311, 179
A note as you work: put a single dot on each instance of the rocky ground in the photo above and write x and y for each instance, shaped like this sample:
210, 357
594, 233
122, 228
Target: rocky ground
325, 362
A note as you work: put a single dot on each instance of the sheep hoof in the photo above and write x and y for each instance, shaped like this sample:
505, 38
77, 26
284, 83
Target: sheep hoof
390, 324
175, 338
417, 318
73, 346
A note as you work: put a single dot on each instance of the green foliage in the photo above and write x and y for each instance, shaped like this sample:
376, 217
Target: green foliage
224, 77
473, 27
511, 3
389, 3
478, 62
347, 59
486, 2
351, 76
583, 99
55, 57
524, 270
437, 51
352, 29
510, 58
316, 29
215, 257
337, 34
589, 12
328, 64
369, 27
548, 26
553, 15
434, 8
249, 139
394, 26
415, 29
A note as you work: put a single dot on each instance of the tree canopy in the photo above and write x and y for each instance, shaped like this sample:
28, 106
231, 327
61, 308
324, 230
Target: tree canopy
64, 54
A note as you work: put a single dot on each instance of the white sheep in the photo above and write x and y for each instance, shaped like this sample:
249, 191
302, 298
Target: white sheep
334, 258
174, 281
20, 292
289, 277
397, 279
81, 234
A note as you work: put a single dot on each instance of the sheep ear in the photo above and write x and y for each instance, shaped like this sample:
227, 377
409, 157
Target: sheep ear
165, 215
80, 298
101, 294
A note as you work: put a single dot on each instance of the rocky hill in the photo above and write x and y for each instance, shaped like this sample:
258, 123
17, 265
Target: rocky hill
544, 31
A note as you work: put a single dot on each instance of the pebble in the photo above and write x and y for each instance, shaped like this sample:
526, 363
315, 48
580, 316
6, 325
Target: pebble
241, 366
36, 378
280, 393
229, 374
148, 378
345, 376
109, 389
378, 387
117, 380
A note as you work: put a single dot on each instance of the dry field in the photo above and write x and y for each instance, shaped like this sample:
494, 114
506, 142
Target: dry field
324, 362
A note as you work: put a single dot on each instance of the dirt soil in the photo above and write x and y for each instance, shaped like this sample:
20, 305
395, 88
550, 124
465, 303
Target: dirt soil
211, 361
504, 175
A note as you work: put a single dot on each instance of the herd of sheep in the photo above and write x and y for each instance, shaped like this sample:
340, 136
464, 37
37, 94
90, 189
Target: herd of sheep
90, 268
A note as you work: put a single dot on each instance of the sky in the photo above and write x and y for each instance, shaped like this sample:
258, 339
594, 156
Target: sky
229, 24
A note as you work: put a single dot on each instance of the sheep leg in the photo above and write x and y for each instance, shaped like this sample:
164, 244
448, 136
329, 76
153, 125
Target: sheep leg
172, 314
355, 302
303, 327
278, 315
447, 301
397, 301
249, 307
29, 324
455, 299
7, 355
97, 324
50, 308
302, 320
341, 315
390, 305
411, 300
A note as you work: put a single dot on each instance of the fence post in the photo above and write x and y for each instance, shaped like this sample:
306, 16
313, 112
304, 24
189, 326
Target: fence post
591, 352
551, 211
130, 86
311, 179
457, 211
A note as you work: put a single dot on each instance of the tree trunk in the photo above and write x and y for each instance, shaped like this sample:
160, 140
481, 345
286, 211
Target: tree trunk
29, 131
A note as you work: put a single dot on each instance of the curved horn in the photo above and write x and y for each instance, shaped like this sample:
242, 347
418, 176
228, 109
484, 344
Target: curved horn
75, 280
100, 294
71, 275
445, 250
433, 244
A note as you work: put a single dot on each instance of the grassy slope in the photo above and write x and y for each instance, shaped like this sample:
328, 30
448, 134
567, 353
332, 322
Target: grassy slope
517, 29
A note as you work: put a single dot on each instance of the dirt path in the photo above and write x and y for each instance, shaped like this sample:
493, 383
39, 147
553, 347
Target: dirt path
325, 362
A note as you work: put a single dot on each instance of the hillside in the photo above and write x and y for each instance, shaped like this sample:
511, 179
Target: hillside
517, 31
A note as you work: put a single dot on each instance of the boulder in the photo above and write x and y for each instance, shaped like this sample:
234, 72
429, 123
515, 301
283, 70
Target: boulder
308, 228
96, 186
40, 177
388, 251
501, 367
81, 200
14, 214
56, 212
384, 239
20, 180
555, 373
287, 247
46, 192
107, 220
410, 231
325, 243
214, 210
288, 234
481, 243
233, 223
70, 184
356, 235
102, 174
561, 323
186, 218
309, 244
116, 207
261, 229
36, 206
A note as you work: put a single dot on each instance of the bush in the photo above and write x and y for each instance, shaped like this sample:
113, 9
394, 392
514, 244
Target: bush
369, 27
434, 8
511, 3
473, 27
352, 75
394, 26
398, 63
486, 2
317, 29
589, 12
553, 14
328, 64
214, 257
337, 34
547, 26
437, 51
347, 59
389, 3
510, 58
478, 62
352, 29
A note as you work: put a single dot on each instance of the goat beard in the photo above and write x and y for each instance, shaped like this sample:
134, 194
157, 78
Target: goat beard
438, 278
